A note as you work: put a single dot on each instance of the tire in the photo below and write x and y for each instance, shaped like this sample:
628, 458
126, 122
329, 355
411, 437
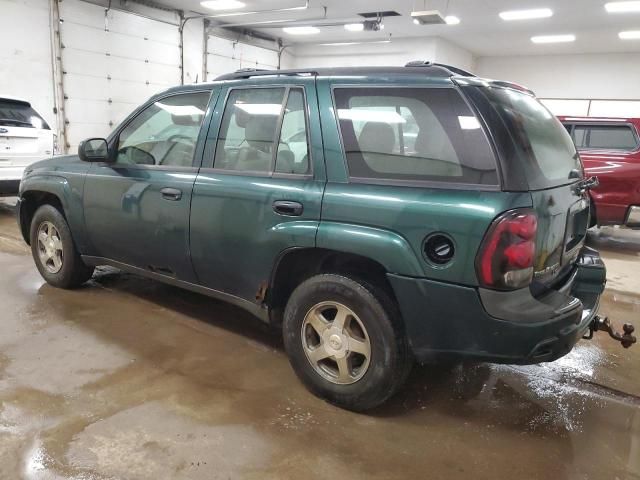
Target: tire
56, 256
372, 320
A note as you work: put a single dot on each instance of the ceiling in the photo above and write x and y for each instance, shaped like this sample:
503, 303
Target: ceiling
481, 31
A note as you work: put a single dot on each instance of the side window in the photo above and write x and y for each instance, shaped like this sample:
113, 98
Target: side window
248, 130
580, 136
293, 149
427, 134
612, 137
165, 133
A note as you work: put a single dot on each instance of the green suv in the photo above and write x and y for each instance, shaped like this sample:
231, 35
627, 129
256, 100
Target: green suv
378, 216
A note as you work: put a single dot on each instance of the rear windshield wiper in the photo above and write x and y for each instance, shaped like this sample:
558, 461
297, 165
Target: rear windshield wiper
13, 121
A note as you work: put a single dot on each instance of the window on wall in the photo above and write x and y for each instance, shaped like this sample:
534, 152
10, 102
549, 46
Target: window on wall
165, 133
263, 128
424, 134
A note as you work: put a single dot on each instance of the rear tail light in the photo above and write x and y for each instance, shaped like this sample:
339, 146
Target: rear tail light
506, 256
55, 144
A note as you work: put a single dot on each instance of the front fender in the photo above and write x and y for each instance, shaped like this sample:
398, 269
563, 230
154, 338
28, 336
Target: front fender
386, 247
67, 190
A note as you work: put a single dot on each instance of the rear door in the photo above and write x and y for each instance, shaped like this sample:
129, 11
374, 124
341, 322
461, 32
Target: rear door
257, 194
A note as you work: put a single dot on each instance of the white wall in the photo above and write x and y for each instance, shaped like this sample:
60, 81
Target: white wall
25, 54
595, 76
398, 52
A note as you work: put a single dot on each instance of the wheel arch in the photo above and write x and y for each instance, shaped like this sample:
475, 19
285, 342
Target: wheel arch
38, 191
295, 265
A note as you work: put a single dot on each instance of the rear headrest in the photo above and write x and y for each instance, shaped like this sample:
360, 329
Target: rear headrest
377, 137
260, 132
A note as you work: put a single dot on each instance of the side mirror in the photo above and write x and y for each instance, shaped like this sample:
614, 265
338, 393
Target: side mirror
94, 150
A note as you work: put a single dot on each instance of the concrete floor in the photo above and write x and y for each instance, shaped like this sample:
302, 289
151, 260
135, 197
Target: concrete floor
130, 379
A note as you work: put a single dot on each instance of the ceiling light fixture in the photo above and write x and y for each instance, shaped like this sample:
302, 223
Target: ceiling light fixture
452, 20
554, 39
301, 30
354, 27
222, 4
430, 17
622, 7
344, 44
526, 14
630, 35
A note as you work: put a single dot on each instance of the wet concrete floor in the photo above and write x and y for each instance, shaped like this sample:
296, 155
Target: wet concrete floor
127, 378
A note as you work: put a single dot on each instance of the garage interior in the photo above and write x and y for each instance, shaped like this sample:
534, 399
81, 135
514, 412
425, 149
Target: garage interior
128, 378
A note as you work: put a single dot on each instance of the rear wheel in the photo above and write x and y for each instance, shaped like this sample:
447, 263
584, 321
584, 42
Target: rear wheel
54, 252
345, 341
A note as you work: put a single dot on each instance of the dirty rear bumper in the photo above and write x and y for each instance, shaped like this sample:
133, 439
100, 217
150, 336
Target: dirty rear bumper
445, 321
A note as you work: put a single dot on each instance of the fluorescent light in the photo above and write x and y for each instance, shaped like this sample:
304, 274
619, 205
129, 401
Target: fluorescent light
554, 39
301, 30
260, 108
354, 27
452, 20
343, 44
622, 7
364, 115
526, 14
630, 35
222, 4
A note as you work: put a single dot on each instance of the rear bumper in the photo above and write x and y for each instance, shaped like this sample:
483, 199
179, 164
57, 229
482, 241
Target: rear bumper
445, 321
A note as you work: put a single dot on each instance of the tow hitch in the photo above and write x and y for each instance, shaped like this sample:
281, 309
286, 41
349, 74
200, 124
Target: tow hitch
603, 324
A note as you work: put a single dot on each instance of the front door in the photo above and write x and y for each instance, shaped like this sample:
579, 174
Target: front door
137, 208
260, 192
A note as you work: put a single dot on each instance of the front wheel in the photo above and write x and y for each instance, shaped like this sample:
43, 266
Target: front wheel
54, 252
345, 341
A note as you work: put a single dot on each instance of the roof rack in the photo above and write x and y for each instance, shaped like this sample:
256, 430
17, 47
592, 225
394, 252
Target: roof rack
258, 72
452, 69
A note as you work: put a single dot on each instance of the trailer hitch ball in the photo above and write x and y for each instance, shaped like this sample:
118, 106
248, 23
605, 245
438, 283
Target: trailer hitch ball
604, 324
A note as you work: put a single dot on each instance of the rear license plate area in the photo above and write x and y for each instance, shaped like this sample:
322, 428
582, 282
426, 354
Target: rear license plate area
577, 224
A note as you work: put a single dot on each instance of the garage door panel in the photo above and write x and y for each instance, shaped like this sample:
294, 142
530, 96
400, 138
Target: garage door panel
224, 56
82, 12
116, 44
217, 65
134, 25
109, 73
155, 52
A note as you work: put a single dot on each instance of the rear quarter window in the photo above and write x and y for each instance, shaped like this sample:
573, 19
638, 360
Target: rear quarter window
413, 134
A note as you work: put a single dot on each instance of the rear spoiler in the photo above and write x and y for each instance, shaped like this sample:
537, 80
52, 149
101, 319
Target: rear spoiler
483, 82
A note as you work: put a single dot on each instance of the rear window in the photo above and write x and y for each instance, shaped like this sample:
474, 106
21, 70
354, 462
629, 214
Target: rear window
604, 137
413, 134
549, 154
20, 114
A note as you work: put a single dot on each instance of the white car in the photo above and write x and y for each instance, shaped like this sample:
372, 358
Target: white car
25, 138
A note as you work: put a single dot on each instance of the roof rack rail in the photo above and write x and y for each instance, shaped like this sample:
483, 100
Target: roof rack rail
257, 72
450, 68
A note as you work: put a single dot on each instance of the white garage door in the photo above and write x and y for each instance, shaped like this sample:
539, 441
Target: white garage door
225, 56
25, 57
112, 63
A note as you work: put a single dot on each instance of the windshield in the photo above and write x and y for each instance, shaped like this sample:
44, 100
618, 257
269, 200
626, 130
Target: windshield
14, 113
550, 156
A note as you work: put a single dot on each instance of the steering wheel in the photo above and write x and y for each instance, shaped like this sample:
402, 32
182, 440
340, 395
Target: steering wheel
175, 138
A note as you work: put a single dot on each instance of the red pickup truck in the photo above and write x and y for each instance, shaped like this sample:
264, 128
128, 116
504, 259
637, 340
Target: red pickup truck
610, 150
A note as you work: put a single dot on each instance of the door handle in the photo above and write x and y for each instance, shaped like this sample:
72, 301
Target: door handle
171, 194
289, 209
